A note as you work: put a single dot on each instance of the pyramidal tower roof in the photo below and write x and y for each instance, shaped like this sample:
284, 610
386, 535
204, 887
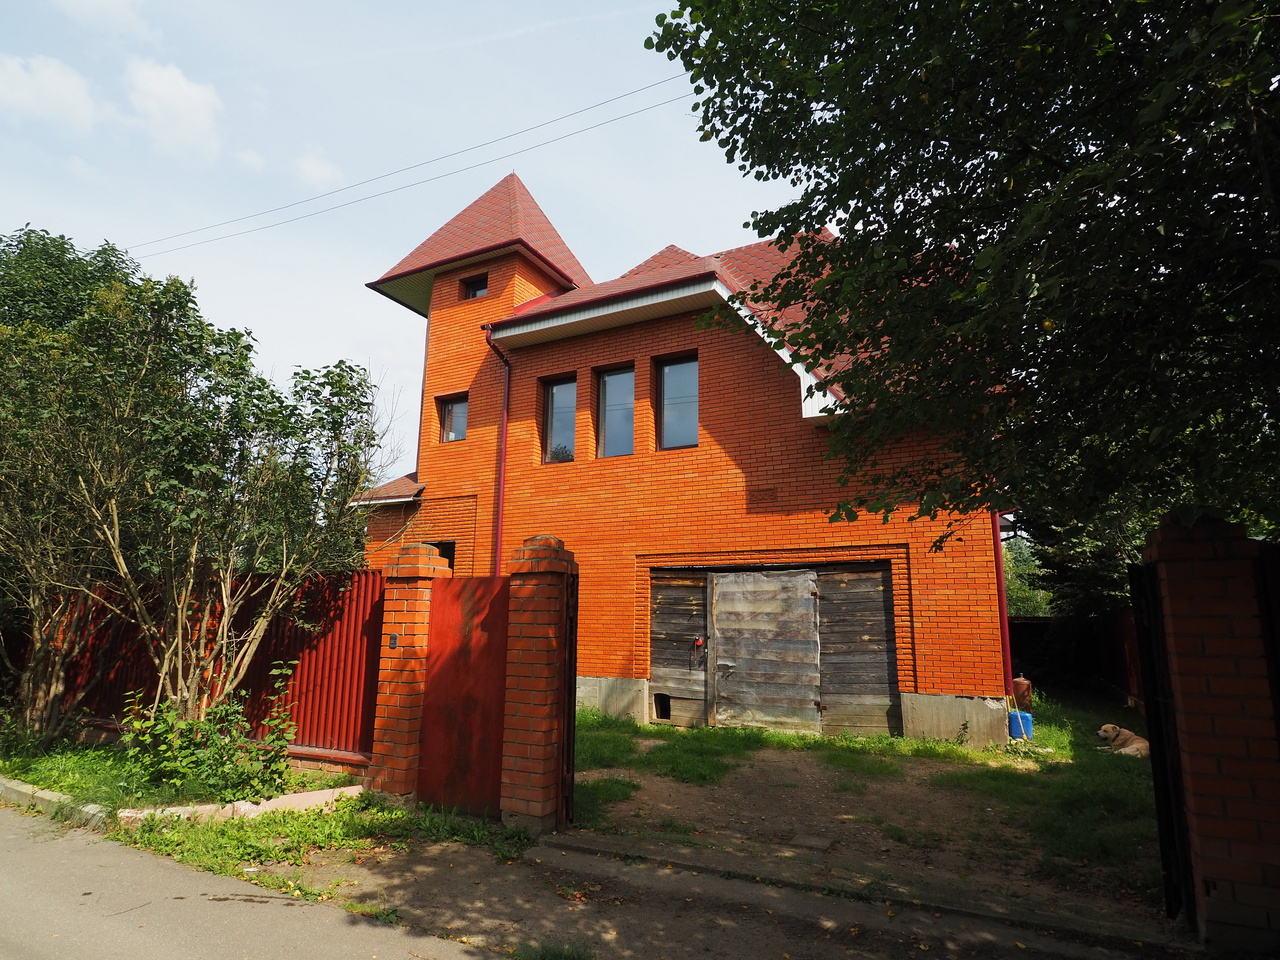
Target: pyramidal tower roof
505, 217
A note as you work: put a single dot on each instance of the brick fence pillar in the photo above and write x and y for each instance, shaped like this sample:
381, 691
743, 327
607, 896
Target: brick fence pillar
533, 728
402, 667
1226, 729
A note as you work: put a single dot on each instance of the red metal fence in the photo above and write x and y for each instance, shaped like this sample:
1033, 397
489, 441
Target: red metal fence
332, 690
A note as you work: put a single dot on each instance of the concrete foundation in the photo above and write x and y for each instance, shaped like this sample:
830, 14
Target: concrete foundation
978, 720
615, 696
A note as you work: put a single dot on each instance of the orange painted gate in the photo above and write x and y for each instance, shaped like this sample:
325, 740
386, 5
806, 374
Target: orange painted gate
462, 721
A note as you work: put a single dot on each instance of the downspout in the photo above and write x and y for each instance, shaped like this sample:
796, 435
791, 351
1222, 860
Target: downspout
1003, 601
502, 454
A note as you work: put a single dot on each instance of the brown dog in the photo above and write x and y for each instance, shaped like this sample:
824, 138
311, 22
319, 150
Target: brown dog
1120, 740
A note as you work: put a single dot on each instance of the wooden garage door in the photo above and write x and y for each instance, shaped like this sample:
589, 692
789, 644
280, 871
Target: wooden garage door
765, 644
857, 657
678, 647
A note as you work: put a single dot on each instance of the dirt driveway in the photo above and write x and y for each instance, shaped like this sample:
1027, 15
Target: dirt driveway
739, 870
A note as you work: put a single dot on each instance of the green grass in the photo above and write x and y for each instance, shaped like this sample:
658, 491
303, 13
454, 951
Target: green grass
569, 951
591, 798
104, 775
702, 755
291, 836
99, 774
1097, 809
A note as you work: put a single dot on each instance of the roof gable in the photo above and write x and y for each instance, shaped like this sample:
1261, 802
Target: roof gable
504, 216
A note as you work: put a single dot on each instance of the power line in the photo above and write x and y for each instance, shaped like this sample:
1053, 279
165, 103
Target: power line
413, 166
416, 183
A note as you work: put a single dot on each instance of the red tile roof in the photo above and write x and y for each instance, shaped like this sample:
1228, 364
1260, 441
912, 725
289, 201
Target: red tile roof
507, 214
737, 269
401, 488
665, 268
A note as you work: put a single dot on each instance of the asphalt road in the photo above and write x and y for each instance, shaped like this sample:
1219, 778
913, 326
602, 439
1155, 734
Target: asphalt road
68, 894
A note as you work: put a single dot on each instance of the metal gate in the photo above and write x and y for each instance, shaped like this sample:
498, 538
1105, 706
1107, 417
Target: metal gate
568, 700
460, 766
1162, 732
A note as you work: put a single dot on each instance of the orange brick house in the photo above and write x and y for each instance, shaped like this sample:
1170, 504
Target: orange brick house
685, 469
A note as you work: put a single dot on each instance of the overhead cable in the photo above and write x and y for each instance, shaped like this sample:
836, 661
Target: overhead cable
416, 183
412, 166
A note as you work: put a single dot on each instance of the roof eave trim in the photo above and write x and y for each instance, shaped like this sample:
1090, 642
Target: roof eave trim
815, 401
438, 265
616, 302
386, 500
373, 285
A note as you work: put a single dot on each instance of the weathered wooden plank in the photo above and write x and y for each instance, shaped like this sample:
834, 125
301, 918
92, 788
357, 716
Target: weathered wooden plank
685, 683
858, 655
765, 629
677, 664
688, 712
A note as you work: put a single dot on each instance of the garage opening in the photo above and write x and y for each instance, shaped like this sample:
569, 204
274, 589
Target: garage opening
809, 649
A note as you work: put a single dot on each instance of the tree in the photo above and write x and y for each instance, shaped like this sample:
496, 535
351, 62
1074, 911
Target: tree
1056, 259
1023, 595
173, 485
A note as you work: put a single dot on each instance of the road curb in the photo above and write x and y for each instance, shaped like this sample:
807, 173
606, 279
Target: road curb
55, 804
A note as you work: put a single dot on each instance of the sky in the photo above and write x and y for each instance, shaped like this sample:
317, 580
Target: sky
137, 120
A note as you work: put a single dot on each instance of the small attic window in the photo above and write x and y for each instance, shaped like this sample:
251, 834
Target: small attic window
476, 286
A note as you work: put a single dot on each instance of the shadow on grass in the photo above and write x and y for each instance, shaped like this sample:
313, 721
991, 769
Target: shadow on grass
1097, 810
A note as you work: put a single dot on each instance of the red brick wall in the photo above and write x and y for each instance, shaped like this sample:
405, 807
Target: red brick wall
533, 737
1226, 723
402, 674
755, 490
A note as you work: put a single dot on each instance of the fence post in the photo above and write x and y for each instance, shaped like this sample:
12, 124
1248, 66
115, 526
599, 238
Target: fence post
397, 724
533, 731
1227, 735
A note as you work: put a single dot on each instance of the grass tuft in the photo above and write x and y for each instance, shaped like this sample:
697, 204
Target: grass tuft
592, 797
359, 823
569, 951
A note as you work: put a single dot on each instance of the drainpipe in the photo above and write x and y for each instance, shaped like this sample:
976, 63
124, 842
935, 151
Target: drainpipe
502, 455
1003, 600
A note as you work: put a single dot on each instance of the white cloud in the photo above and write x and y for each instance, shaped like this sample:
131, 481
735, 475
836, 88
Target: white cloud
118, 16
250, 158
317, 171
180, 114
49, 90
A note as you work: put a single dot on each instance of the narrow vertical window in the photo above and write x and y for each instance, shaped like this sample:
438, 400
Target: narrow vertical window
617, 413
560, 403
678, 416
453, 419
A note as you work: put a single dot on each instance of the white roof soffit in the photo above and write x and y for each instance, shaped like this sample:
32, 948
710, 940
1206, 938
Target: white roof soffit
413, 290
694, 295
815, 402
384, 501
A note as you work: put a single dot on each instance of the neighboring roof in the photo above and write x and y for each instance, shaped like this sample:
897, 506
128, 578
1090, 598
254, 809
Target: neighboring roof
504, 218
400, 490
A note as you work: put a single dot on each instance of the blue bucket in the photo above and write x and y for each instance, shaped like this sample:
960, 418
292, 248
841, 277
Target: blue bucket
1019, 725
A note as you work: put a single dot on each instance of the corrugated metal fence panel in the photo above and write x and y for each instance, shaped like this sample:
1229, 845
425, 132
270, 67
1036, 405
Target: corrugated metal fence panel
766, 647
333, 689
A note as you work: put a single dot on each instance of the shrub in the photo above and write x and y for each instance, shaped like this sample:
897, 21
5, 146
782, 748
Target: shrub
216, 756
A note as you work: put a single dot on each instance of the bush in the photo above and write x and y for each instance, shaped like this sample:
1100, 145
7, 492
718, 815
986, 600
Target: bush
216, 756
